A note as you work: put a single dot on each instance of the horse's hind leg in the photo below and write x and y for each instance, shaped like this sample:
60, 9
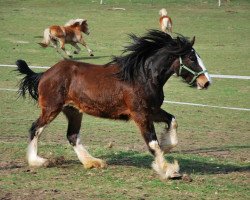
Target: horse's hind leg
66, 54
35, 131
73, 134
78, 49
55, 45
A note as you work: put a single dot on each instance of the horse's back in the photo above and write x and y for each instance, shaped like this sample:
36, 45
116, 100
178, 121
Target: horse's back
82, 68
57, 31
166, 21
68, 69
79, 75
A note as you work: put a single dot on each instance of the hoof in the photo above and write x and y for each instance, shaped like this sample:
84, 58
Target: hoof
75, 52
167, 170
38, 162
95, 163
91, 54
176, 176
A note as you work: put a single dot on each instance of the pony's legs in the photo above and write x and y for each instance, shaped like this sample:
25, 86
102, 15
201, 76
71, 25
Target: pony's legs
78, 49
62, 46
86, 46
74, 124
61, 51
168, 139
35, 131
160, 165
54, 43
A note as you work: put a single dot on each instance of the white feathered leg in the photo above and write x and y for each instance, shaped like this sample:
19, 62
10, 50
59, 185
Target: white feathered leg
169, 140
161, 166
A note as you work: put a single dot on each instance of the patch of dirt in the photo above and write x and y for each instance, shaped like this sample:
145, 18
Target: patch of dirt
56, 161
38, 194
7, 196
10, 165
231, 11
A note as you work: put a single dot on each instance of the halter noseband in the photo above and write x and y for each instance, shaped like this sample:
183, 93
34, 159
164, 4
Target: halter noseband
182, 66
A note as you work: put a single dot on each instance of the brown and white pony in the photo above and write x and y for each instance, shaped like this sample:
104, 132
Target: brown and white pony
70, 33
130, 87
165, 21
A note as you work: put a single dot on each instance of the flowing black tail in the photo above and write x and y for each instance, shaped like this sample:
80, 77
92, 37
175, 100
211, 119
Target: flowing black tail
29, 82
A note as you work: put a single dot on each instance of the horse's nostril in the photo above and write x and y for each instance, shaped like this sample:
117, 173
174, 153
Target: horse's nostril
206, 84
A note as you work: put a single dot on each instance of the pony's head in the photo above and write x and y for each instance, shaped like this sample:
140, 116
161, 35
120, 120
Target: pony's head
82, 23
84, 27
190, 66
163, 12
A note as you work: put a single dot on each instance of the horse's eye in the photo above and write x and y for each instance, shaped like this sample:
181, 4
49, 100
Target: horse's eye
193, 58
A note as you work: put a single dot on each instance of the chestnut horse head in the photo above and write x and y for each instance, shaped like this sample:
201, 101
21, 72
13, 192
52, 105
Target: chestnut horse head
81, 23
129, 87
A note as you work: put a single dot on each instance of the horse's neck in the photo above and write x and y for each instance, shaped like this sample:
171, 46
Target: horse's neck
75, 27
159, 69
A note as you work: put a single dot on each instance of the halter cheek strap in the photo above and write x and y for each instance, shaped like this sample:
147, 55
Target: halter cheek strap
196, 75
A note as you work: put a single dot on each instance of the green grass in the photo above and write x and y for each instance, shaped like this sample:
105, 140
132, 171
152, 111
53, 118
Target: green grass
213, 143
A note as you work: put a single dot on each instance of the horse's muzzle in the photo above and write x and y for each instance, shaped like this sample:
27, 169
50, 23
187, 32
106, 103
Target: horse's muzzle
202, 82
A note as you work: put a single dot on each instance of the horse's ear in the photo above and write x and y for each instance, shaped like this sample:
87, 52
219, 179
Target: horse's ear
192, 41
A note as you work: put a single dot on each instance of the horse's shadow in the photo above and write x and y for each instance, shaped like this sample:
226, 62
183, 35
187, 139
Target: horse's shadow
137, 159
188, 165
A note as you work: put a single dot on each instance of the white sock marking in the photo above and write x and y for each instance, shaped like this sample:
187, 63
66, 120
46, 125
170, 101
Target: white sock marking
160, 165
81, 152
33, 159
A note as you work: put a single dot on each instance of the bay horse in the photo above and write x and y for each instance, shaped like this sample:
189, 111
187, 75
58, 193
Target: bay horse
165, 21
130, 86
70, 33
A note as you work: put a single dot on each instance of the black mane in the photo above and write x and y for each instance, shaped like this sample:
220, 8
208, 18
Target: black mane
135, 55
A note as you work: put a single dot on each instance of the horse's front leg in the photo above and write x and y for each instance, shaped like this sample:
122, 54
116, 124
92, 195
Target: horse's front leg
78, 49
160, 165
86, 46
168, 139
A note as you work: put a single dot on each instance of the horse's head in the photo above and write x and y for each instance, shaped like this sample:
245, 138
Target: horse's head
191, 68
79, 23
84, 27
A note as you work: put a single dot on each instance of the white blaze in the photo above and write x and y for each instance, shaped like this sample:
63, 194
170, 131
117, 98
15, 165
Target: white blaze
203, 67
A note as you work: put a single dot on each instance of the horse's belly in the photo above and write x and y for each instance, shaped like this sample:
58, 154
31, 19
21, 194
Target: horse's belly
104, 109
71, 38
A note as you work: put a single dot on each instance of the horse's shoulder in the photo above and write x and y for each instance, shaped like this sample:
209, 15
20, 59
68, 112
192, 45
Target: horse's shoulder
72, 29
